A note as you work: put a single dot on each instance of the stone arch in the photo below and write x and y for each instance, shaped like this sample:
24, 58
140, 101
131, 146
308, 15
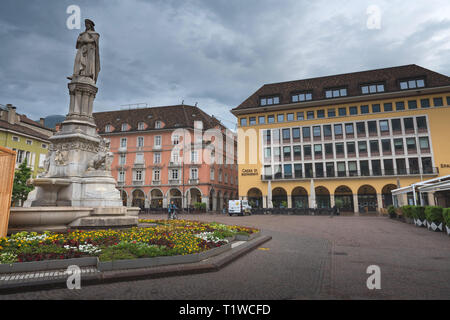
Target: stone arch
175, 195
279, 198
138, 198
343, 199
156, 197
367, 199
226, 198
386, 194
300, 198
255, 198
193, 195
212, 199
323, 199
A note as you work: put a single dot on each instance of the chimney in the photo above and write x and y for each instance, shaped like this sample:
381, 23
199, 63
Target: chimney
11, 113
42, 121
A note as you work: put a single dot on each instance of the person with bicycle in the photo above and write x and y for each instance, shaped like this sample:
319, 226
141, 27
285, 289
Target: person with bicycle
172, 211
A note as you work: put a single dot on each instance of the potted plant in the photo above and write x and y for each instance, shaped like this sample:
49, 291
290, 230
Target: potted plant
435, 219
392, 212
418, 214
408, 214
446, 215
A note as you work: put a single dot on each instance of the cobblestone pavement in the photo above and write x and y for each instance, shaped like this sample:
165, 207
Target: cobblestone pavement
308, 258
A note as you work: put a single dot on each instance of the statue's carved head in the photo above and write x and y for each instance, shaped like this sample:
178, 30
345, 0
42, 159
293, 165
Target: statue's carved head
89, 24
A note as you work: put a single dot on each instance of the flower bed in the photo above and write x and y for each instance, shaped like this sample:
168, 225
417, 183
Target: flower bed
167, 238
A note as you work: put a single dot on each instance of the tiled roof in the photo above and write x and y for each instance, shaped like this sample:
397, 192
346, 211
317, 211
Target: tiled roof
22, 129
352, 81
173, 117
25, 119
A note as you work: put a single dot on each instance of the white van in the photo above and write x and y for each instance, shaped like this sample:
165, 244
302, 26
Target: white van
239, 207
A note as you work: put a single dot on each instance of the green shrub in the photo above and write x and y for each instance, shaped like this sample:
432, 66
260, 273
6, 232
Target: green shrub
407, 211
392, 212
434, 214
200, 206
222, 234
131, 250
418, 212
446, 216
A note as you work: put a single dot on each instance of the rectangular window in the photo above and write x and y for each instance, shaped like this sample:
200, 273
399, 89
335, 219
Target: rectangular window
277, 154
362, 148
349, 128
412, 84
339, 149
335, 93
124, 127
372, 125
300, 97
308, 170
140, 142
271, 118
386, 146
121, 177
287, 171
388, 167
318, 151
267, 154
376, 108
316, 132
123, 142
341, 169
364, 167
280, 117
287, 153
296, 134
290, 117
276, 136
338, 129
298, 170
252, 121
376, 167
411, 145
327, 131
310, 115
427, 166
138, 175
424, 143
267, 137
307, 151
320, 114
352, 168
158, 140
409, 124
319, 170
412, 104
351, 150
156, 175
194, 173
331, 113
329, 150
425, 103
139, 158
261, 119
438, 102
270, 100
374, 147
372, 88
401, 166
384, 126
413, 165
286, 135
300, 116
157, 158
353, 110
398, 146
122, 159
297, 152
400, 105
387, 107
268, 172
364, 109
421, 123
330, 169
361, 128
306, 132
396, 125
342, 112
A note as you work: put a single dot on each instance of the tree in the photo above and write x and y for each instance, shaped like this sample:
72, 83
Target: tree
20, 187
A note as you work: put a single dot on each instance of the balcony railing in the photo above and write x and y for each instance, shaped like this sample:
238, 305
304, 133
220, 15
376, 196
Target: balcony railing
351, 173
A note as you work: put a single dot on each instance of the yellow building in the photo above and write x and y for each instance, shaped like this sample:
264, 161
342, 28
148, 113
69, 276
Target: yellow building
346, 139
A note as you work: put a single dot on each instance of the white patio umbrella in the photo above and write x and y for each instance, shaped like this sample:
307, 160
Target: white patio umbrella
313, 195
269, 195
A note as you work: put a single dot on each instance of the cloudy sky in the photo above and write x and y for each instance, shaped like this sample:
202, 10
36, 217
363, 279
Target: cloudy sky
214, 52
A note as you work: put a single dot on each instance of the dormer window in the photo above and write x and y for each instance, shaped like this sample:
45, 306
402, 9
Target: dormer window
267, 101
300, 97
141, 126
124, 126
108, 128
335, 93
372, 88
158, 125
412, 84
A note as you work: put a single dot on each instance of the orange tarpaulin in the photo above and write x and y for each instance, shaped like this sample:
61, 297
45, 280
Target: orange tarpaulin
7, 166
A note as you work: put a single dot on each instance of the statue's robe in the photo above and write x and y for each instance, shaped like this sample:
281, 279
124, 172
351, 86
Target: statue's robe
87, 60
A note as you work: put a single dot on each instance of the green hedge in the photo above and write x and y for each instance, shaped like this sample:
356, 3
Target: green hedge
434, 214
446, 215
418, 212
407, 211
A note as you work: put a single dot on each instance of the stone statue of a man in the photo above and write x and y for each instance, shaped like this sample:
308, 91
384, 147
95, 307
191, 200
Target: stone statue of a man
87, 60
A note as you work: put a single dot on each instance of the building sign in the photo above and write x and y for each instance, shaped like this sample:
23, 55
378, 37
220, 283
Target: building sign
249, 172
445, 165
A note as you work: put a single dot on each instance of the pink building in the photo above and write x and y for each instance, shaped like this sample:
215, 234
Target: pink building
159, 157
